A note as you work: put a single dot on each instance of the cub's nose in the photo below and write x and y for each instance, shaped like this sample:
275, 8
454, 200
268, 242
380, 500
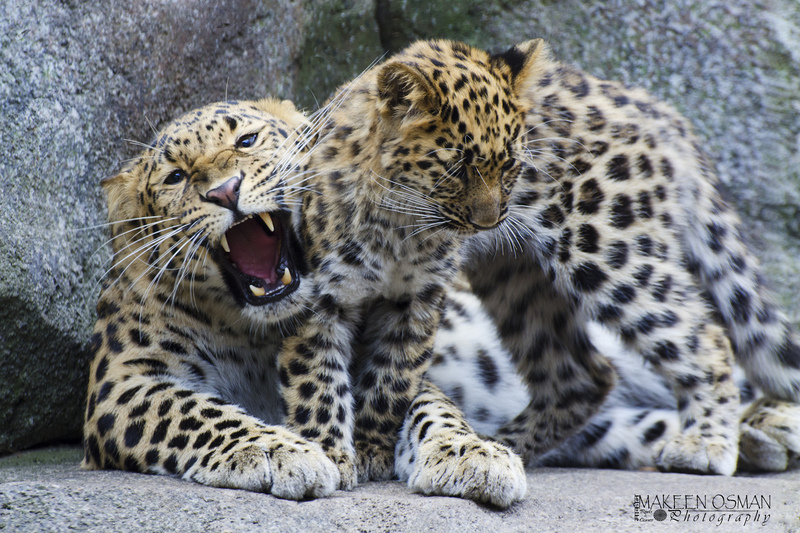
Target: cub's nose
227, 194
485, 213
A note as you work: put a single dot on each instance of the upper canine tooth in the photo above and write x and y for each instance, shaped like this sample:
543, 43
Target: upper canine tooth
257, 291
224, 243
287, 277
267, 220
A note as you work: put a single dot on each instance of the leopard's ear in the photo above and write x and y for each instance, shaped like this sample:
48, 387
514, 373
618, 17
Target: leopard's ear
121, 196
525, 61
404, 92
283, 109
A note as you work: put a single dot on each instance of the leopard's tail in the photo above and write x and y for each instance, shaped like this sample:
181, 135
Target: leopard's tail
764, 342
638, 416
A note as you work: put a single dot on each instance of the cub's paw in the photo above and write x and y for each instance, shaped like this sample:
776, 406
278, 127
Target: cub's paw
770, 436
468, 467
289, 468
375, 463
692, 453
302, 471
345, 463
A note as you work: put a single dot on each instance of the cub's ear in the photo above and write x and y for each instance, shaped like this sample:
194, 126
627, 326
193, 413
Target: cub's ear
404, 92
282, 109
121, 195
526, 61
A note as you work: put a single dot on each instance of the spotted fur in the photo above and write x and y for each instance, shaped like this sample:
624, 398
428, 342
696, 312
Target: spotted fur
412, 157
630, 428
617, 218
184, 379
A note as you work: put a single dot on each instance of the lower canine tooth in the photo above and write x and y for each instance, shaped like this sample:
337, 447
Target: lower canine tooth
267, 220
224, 243
286, 278
257, 291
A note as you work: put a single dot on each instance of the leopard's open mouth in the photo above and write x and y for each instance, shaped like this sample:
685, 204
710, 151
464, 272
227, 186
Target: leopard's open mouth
261, 258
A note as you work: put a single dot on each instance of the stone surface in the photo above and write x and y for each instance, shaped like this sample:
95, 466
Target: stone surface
43, 492
79, 79
80, 84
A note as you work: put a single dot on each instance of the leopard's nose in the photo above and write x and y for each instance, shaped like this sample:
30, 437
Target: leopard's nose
485, 212
227, 194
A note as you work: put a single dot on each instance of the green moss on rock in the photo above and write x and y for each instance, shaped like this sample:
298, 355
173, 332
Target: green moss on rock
341, 40
51, 455
406, 21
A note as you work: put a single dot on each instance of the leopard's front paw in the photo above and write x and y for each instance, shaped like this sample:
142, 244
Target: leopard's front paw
302, 471
469, 467
770, 436
287, 467
375, 463
345, 463
692, 453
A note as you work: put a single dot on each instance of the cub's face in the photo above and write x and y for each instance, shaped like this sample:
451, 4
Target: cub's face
203, 213
458, 118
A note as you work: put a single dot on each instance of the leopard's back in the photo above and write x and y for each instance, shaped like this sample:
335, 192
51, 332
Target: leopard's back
619, 219
642, 189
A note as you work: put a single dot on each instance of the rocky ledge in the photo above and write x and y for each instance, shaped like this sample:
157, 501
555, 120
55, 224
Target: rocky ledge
47, 491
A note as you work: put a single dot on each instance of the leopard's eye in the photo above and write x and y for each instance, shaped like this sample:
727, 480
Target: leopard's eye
508, 165
246, 141
175, 177
458, 171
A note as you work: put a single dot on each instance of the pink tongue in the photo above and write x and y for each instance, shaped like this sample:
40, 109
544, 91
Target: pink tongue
254, 252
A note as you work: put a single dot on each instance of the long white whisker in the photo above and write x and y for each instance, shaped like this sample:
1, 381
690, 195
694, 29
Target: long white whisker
554, 180
543, 139
144, 237
410, 202
138, 252
151, 247
106, 224
194, 243
540, 124
483, 180
139, 143
153, 128
426, 227
446, 175
320, 117
136, 231
530, 152
177, 247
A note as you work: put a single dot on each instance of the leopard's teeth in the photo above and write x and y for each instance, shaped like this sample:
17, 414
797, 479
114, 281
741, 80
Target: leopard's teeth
267, 220
224, 243
287, 277
257, 291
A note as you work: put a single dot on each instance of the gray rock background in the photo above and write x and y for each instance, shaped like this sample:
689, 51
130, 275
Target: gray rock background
82, 82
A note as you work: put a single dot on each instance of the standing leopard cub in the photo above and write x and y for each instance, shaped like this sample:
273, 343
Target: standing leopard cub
412, 157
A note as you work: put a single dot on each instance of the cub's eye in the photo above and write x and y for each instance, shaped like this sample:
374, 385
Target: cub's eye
246, 141
458, 171
508, 165
176, 176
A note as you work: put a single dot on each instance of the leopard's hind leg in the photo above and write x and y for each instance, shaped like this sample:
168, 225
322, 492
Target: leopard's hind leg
618, 437
567, 377
770, 436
